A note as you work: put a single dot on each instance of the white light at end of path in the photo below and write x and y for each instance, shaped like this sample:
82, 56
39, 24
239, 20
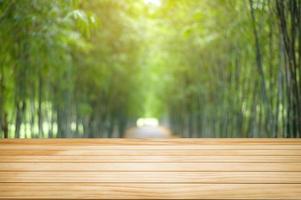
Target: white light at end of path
150, 122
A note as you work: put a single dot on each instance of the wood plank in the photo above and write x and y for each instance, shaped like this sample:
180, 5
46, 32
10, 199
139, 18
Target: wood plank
154, 152
189, 167
149, 147
173, 141
153, 177
148, 191
152, 159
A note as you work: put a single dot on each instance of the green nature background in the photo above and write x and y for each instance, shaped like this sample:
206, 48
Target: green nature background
205, 68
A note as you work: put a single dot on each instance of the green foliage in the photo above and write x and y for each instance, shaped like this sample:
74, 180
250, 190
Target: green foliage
213, 68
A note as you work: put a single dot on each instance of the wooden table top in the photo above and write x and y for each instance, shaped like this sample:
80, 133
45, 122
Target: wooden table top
150, 169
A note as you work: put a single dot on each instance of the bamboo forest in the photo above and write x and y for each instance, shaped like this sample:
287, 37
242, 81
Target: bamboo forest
203, 68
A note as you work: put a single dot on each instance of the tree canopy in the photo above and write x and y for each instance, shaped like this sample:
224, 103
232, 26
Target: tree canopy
207, 68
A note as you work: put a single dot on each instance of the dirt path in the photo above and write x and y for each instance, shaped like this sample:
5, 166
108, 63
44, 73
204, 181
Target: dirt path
148, 132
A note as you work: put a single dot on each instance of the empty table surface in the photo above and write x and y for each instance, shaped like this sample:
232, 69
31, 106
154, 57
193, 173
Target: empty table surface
150, 169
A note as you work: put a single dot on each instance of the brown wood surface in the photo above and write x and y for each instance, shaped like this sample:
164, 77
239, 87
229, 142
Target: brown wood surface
150, 169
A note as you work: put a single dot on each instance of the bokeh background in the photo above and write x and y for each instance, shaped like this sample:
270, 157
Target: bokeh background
203, 68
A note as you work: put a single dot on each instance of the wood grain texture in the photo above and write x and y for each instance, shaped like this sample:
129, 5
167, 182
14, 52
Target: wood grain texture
148, 191
150, 169
174, 141
151, 147
153, 167
153, 152
152, 159
152, 177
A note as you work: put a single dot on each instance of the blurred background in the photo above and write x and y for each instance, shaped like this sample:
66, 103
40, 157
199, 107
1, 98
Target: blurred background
150, 68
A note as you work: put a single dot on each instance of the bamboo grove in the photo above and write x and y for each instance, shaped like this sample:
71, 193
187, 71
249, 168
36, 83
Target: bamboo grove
206, 68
